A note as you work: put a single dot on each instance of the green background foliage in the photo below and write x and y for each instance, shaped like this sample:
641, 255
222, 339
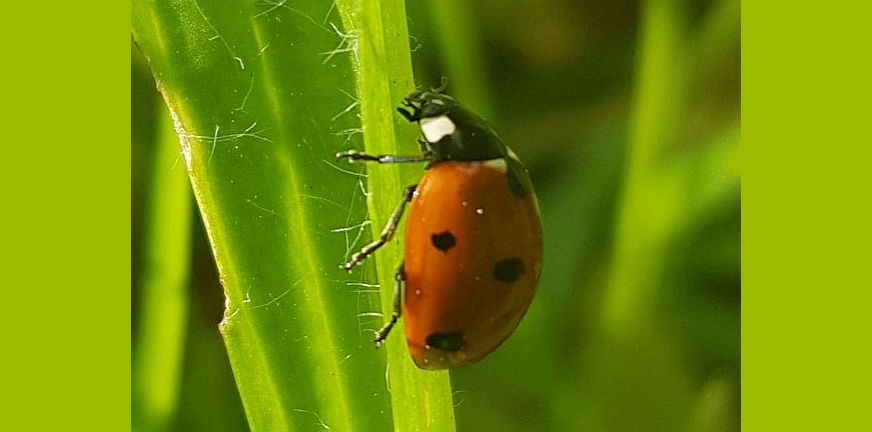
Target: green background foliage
626, 114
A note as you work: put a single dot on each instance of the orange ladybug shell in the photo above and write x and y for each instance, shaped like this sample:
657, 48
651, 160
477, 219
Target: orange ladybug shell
473, 256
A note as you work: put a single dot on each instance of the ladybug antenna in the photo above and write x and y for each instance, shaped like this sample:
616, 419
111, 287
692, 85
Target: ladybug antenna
442, 86
411, 108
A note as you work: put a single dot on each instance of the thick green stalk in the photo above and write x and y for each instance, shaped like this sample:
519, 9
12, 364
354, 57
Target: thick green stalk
421, 400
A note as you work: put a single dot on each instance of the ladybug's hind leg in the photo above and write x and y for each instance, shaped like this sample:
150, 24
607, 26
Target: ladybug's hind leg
386, 235
383, 332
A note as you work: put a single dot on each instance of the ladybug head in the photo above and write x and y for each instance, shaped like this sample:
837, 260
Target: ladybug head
422, 104
450, 131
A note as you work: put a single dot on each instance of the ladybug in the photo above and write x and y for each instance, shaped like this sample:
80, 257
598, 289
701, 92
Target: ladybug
473, 242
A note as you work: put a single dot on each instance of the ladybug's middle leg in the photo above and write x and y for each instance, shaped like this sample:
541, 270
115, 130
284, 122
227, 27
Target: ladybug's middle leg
386, 235
383, 332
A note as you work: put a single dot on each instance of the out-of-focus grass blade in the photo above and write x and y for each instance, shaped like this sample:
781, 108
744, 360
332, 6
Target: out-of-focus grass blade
630, 335
260, 95
163, 306
421, 400
715, 408
660, 106
459, 44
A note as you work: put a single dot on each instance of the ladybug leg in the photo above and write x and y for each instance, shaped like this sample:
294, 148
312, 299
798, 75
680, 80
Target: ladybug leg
386, 234
424, 146
412, 116
355, 156
383, 332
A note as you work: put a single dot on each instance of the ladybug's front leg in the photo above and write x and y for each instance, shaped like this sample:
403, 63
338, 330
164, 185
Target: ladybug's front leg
386, 235
355, 156
383, 332
424, 145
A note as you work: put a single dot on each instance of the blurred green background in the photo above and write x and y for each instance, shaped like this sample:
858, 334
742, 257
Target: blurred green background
626, 113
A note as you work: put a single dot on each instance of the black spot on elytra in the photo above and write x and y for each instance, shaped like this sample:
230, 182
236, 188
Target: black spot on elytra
519, 181
446, 341
509, 270
443, 241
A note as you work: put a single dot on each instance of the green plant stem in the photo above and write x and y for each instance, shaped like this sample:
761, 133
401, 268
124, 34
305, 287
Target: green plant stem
421, 400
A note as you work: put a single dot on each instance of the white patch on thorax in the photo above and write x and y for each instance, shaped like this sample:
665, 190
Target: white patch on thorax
436, 128
498, 164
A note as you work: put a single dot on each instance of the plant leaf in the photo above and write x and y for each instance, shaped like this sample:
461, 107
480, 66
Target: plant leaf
259, 95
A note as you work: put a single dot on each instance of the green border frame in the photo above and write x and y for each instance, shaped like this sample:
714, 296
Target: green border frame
806, 233
65, 180
806, 217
